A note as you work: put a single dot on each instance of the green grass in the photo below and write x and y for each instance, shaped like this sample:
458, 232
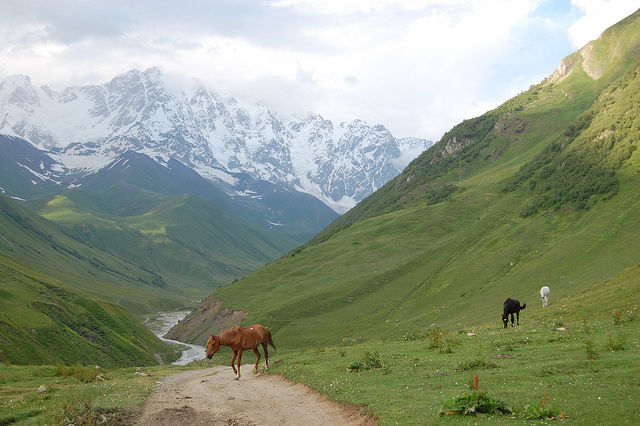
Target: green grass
581, 352
557, 356
578, 355
49, 249
519, 366
186, 240
80, 395
43, 320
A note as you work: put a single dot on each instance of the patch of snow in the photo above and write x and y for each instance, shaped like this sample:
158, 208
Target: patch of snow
165, 117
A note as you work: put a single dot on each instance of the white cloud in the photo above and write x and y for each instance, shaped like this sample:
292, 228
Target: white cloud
598, 16
418, 67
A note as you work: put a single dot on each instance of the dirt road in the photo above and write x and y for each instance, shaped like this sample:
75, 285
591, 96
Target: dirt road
213, 397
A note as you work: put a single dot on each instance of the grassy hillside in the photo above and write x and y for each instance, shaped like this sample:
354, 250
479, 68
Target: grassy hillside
69, 289
47, 248
193, 245
44, 321
52, 298
543, 190
167, 221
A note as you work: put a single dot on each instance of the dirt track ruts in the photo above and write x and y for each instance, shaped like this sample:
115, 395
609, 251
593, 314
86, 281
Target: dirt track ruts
213, 397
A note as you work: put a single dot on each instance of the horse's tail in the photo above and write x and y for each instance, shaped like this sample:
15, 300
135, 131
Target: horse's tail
270, 339
523, 306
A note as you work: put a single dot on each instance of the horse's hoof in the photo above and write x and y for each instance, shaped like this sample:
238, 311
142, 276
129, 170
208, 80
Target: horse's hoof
236, 378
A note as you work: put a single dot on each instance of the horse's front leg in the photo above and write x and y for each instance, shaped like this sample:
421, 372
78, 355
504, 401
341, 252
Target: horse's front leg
257, 352
239, 362
233, 360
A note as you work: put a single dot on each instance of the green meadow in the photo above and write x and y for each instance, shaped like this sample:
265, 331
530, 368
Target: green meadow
557, 366
76, 394
567, 362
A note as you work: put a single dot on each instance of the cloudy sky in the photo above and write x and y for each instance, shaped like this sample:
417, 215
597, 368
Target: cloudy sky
417, 66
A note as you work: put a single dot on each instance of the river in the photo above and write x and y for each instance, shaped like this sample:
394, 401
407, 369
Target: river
162, 323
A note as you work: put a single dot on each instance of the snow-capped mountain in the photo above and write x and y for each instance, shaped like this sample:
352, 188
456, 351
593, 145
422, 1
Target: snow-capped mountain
86, 128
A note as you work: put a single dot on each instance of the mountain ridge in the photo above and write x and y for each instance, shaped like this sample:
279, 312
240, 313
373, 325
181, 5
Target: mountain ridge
85, 128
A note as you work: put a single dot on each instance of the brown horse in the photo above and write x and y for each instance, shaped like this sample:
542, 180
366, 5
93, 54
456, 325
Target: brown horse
240, 339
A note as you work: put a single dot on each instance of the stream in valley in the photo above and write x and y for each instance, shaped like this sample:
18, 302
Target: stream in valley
162, 323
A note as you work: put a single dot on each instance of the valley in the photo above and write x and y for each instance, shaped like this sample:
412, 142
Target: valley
392, 308
162, 322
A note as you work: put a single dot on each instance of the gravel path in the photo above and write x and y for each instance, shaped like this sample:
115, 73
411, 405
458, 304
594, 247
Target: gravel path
213, 397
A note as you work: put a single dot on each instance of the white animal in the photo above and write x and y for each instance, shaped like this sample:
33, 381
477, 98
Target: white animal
544, 293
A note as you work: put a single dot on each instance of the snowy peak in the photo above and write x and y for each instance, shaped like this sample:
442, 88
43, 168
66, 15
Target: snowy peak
86, 128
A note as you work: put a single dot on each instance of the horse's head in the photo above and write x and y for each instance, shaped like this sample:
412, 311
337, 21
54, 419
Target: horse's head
213, 345
505, 320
